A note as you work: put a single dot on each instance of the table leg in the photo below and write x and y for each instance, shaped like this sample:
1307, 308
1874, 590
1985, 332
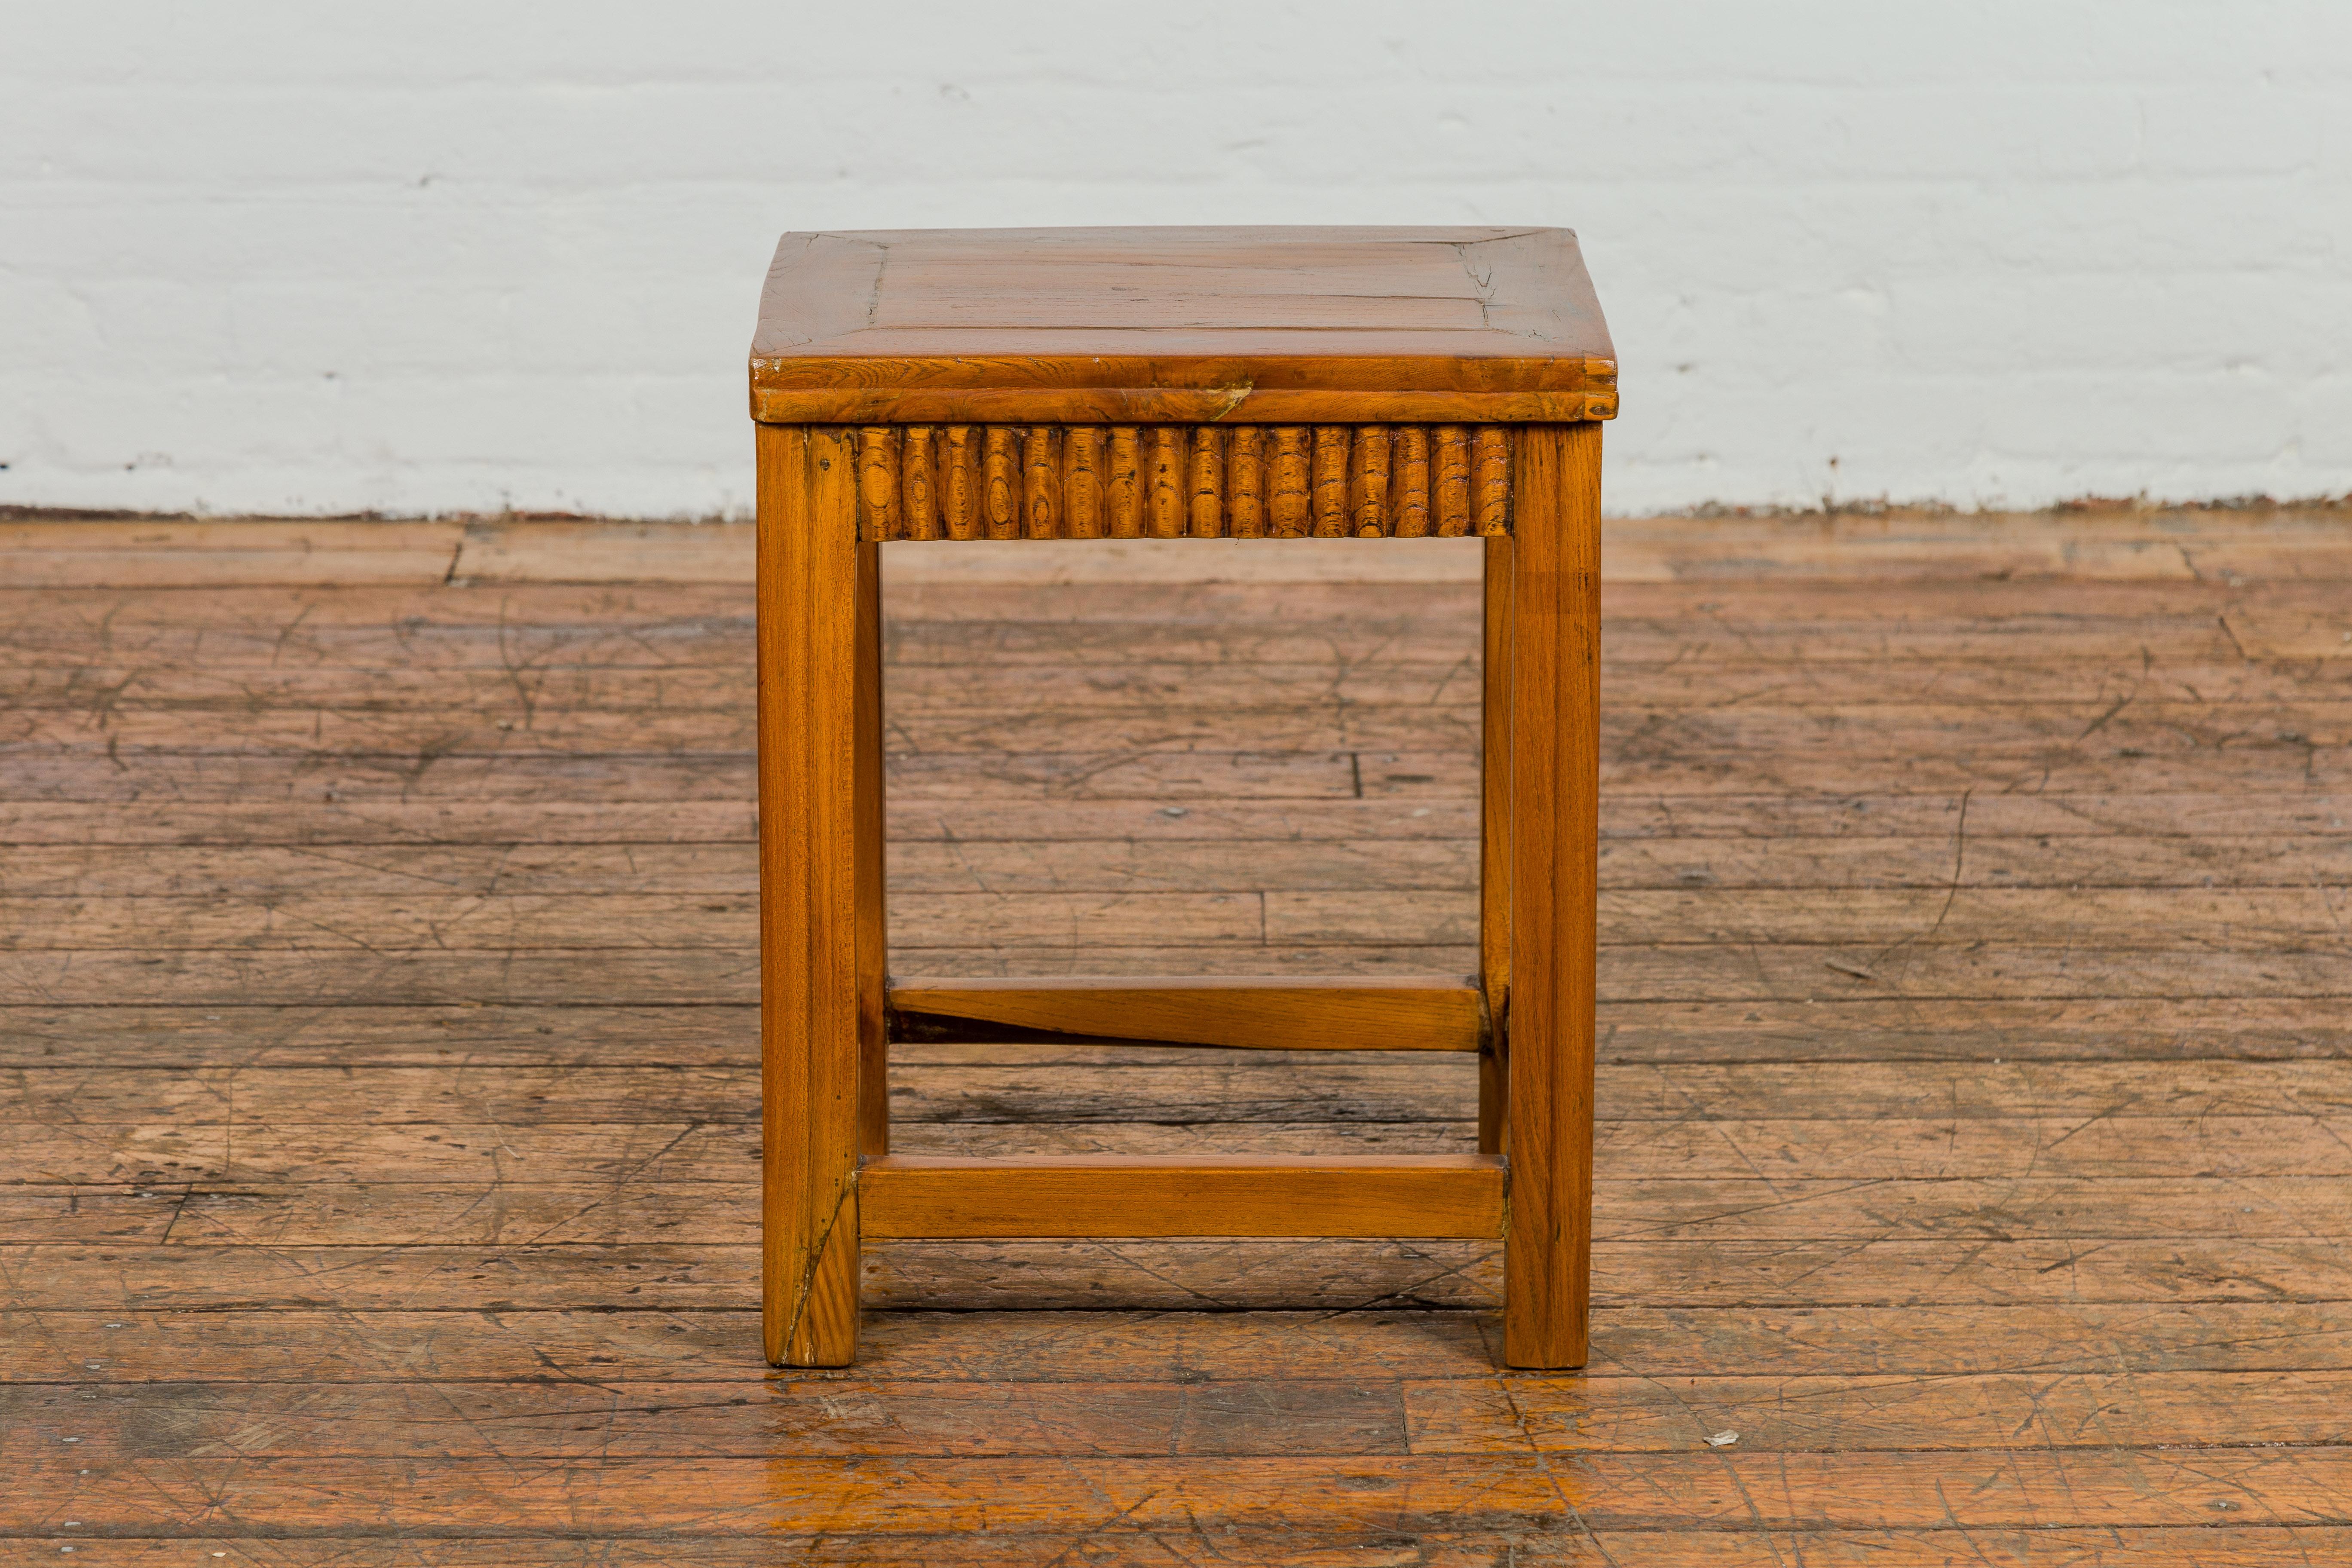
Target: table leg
1494, 852
872, 848
1554, 700
811, 965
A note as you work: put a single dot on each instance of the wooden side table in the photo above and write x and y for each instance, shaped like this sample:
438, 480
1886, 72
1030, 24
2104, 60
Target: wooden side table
1178, 383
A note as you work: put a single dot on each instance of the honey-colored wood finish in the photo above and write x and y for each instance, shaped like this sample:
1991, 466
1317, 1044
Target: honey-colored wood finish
1177, 481
878, 479
1328, 1013
1245, 482
1554, 699
1165, 482
1453, 481
870, 858
1290, 504
1410, 477
1043, 514
1495, 846
1285, 384
1082, 481
919, 483
1000, 488
913, 1196
819, 990
962, 485
1182, 326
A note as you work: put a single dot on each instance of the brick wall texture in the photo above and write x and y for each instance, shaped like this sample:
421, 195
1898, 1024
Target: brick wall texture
264, 256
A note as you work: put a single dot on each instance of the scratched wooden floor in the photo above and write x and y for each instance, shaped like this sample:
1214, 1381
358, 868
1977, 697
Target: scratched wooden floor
376, 997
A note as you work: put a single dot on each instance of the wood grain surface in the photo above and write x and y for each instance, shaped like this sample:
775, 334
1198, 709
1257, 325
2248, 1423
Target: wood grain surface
1383, 1195
1341, 1011
820, 969
1179, 481
382, 1109
1553, 759
1128, 326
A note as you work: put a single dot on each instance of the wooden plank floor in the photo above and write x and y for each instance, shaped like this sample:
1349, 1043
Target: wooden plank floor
377, 1175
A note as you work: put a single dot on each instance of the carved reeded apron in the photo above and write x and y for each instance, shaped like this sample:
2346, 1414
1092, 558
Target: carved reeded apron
1178, 383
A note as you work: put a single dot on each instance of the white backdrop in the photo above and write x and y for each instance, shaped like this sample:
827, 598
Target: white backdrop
292, 257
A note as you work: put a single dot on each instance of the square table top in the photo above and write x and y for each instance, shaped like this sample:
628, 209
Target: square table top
1264, 325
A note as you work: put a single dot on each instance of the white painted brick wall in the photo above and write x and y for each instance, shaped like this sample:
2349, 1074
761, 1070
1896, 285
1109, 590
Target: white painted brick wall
431, 255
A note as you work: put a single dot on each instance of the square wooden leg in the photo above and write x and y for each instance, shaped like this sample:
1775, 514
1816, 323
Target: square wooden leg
1494, 852
872, 835
820, 888
1553, 701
